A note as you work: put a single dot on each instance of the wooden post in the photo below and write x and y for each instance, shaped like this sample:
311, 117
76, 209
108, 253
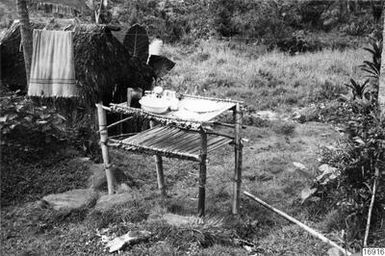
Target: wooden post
129, 96
26, 36
102, 118
159, 170
381, 86
238, 159
202, 174
374, 191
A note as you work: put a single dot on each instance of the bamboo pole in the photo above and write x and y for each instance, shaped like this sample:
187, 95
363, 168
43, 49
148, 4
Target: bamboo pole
375, 184
26, 36
228, 125
129, 96
238, 159
221, 134
105, 108
118, 122
305, 227
381, 116
102, 118
202, 174
159, 169
123, 135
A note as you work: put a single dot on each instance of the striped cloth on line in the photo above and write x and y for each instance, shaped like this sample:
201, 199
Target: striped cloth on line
52, 67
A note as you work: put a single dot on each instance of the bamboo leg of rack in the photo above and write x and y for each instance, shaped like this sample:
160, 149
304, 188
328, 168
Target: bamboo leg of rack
238, 159
102, 119
159, 169
202, 174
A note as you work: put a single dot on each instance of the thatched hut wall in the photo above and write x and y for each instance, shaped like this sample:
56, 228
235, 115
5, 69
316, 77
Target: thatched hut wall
11, 58
104, 68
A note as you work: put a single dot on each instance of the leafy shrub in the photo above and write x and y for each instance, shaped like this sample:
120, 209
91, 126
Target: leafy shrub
298, 42
264, 21
358, 26
373, 67
358, 89
28, 127
327, 90
170, 20
356, 159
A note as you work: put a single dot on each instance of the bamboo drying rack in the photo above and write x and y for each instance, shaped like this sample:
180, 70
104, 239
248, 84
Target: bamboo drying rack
177, 137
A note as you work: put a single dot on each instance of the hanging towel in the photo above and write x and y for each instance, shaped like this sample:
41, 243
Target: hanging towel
52, 67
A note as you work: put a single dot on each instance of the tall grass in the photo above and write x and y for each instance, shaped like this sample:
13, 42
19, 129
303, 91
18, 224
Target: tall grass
265, 80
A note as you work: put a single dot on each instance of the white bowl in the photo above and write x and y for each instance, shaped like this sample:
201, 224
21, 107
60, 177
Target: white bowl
154, 105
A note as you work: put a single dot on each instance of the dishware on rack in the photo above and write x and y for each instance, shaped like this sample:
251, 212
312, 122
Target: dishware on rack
153, 104
171, 97
201, 106
158, 90
148, 93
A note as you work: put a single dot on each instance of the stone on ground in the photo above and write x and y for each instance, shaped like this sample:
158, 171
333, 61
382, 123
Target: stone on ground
299, 166
130, 238
179, 220
106, 202
267, 115
98, 179
71, 200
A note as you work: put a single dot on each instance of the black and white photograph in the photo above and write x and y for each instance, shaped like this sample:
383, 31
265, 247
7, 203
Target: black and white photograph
192, 127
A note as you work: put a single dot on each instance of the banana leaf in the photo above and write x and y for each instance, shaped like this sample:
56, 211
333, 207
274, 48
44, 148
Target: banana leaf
161, 65
136, 41
370, 50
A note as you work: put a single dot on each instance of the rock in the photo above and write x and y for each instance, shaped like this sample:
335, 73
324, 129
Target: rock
178, 220
71, 200
300, 118
121, 188
98, 179
306, 193
130, 238
110, 201
327, 169
334, 252
299, 166
248, 248
267, 115
328, 173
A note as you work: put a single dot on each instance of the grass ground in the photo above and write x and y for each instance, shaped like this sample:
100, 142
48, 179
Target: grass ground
265, 81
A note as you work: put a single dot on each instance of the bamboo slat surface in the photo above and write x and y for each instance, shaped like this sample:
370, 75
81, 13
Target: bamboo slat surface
182, 117
170, 142
211, 98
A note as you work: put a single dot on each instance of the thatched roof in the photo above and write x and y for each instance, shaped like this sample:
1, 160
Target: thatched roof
104, 68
